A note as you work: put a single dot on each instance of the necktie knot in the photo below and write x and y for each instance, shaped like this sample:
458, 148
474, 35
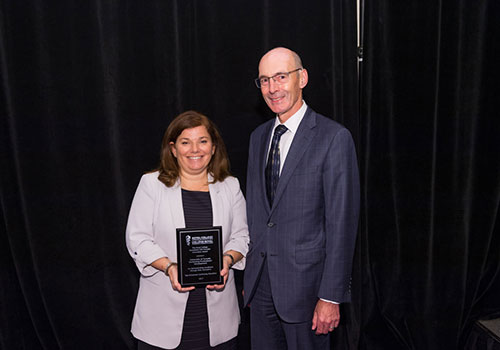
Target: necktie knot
280, 130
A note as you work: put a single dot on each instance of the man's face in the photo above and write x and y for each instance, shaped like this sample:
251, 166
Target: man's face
283, 99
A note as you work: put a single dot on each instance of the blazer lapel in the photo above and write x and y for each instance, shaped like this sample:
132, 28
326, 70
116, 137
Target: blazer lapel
301, 141
217, 203
264, 146
174, 197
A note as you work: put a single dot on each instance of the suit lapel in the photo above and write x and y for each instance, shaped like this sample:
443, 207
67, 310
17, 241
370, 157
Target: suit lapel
265, 139
300, 143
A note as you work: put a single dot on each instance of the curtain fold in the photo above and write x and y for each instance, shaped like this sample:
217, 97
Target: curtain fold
431, 172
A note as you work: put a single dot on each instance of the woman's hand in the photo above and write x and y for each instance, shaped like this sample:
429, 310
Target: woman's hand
162, 264
226, 262
172, 274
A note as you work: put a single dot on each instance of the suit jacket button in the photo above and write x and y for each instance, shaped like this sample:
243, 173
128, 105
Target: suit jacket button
270, 224
262, 254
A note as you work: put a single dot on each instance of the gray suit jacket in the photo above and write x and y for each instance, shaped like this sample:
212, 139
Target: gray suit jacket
308, 236
155, 213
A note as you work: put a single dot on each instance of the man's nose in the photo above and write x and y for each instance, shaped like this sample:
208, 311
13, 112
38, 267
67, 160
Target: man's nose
273, 86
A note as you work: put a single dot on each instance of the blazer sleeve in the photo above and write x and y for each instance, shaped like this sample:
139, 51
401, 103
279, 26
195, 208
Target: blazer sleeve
238, 239
139, 234
341, 184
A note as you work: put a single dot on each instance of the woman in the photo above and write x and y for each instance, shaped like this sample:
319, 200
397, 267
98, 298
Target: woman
191, 188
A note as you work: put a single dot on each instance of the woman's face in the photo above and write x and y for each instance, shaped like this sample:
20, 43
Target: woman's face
193, 150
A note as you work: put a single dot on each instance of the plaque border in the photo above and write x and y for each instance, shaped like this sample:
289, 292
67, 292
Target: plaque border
179, 232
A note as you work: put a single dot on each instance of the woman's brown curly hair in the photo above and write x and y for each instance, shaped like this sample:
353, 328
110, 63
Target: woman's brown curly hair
169, 168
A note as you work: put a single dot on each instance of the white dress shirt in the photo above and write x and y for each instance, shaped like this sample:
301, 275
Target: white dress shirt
292, 124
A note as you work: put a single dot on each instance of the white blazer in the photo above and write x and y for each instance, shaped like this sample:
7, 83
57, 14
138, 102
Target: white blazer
155, 213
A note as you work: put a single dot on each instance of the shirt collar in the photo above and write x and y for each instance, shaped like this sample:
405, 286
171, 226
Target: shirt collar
293, 122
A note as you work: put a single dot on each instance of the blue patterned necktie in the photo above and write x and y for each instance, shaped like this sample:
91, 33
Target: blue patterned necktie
273, 163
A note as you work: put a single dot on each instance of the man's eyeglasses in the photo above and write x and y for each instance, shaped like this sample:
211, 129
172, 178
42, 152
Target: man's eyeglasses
279, 78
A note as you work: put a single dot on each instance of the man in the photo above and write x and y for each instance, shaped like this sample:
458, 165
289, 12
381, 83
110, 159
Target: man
303, 207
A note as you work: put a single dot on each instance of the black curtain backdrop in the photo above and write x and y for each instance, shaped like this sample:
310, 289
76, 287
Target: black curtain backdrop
431, 170
88, 88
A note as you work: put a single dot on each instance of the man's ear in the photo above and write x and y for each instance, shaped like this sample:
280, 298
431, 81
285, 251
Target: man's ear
304, 78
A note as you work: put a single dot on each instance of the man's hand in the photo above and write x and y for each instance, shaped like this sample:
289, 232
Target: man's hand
326, 317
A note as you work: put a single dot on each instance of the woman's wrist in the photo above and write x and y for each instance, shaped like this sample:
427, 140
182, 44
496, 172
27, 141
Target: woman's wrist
169, 265
231, 258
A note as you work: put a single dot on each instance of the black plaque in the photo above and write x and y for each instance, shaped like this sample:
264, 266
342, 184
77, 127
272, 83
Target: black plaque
199, 255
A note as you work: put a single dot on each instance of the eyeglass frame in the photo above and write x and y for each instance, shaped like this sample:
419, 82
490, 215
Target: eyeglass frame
259, 85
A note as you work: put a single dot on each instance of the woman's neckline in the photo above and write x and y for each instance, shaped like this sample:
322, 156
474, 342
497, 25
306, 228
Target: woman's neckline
185, 189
